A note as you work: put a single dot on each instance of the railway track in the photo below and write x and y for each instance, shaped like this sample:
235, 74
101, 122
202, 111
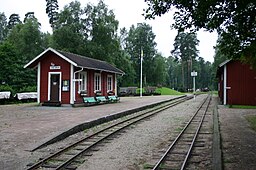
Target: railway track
73, 155
177, 154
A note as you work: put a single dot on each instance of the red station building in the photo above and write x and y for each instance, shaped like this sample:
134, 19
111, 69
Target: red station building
62, 77
237, 83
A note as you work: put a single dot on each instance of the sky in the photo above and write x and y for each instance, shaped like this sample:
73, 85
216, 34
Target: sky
127, 12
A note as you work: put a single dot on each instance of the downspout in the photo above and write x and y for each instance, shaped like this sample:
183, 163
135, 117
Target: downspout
225, 85
74, 83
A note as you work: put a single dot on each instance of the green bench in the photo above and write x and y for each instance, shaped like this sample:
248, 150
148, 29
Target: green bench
113, 99
101, 99
90, 100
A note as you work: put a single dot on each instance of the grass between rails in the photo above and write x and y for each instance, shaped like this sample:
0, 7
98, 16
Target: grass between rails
252, 120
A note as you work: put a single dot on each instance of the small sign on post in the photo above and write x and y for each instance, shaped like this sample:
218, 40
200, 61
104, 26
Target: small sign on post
194, 74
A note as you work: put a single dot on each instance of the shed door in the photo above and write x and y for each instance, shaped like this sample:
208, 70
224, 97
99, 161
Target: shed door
55, 87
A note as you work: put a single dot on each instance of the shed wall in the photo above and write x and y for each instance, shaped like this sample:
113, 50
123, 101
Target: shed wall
242, 81
47, 60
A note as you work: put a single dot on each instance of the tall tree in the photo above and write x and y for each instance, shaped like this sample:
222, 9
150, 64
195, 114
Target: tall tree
142, 38
104, 44
14, 19
71, 28
26, 40
3, 27
52, 12
160, 70
234, 21
186, 52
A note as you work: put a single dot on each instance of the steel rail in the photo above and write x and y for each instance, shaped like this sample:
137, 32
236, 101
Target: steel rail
113, 132
164, 156
194, 139
150, 113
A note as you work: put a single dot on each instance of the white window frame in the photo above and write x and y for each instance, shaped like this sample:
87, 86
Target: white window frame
109, 83
97, 82
82, 86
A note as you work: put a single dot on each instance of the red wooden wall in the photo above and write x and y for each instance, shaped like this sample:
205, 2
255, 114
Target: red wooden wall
242, 80
46, 61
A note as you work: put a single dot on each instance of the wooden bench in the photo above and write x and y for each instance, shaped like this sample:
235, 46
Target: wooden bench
90, 100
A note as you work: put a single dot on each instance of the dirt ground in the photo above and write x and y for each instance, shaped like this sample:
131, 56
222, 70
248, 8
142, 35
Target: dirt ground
238, 139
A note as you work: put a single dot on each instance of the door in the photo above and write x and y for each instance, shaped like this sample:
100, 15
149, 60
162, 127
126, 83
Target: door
55, 87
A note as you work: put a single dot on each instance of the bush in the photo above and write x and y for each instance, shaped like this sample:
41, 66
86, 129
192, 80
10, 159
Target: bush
28, 89
6, 88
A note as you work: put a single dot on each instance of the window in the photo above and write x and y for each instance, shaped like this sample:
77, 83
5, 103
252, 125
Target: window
97, 81
83, 83
109, 83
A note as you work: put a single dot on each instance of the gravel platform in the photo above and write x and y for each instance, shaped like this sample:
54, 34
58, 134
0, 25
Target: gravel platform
24, 126
238, 139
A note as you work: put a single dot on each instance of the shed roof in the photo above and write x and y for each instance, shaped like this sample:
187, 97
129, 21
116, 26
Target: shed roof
78, 61
224, 63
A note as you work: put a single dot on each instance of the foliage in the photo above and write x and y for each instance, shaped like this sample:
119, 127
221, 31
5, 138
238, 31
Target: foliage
28, 89
6, 88
51, 9
140, 42
92, 31
234, 21
186, 52
3, 27
167, 91
14, 20
104, 44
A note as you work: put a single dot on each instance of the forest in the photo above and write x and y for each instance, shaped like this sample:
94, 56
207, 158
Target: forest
93, 31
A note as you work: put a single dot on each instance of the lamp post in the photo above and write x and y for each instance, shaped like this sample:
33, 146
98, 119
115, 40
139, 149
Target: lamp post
194, 74
141, 59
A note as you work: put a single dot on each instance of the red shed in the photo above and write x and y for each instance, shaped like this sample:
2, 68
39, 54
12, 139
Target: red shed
237, 83
63, 76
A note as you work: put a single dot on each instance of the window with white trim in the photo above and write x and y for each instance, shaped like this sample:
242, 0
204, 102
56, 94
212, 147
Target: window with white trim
109, 83
83, 83
97, 81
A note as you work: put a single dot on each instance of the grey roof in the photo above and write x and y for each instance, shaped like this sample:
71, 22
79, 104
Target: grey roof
79, 61
91, 63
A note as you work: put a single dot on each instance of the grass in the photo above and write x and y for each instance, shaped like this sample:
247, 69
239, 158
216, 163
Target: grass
167, 91
242, 107
252, 120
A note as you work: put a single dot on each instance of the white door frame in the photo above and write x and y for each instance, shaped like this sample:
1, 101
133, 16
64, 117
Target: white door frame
49, 84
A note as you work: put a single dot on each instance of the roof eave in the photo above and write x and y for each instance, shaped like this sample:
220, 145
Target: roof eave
54, 51
115, 72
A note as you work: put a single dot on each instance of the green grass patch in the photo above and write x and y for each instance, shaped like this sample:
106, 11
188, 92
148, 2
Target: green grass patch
167, 91
252, 120
242, 107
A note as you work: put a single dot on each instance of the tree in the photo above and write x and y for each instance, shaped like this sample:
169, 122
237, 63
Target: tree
52, 12
104, 44
3, 27
8, 62
186, 52
234, 21
160, 70
26, 41
14, 19
70, 28
142, 38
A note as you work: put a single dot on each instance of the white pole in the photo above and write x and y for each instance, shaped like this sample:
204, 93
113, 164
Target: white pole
194, 86
141, 58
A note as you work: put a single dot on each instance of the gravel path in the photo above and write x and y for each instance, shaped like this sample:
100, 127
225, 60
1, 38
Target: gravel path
135, 147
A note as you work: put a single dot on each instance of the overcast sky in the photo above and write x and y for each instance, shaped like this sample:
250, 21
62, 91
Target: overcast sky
127, 12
